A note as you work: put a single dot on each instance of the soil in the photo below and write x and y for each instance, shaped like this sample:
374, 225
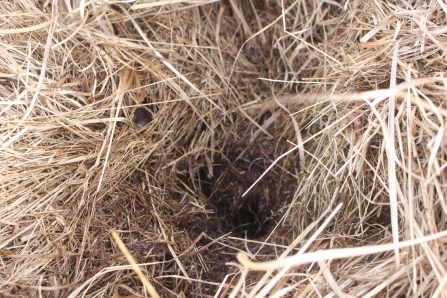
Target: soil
253, 216
233, 174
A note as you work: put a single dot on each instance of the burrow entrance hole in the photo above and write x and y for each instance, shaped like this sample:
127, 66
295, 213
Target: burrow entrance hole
233, 172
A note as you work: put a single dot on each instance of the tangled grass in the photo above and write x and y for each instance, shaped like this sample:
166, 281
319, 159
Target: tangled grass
223, 149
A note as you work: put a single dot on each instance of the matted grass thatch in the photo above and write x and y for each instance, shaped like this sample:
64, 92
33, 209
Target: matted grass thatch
223, 148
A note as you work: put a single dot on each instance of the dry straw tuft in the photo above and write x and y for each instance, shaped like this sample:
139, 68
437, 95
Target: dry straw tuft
236, 148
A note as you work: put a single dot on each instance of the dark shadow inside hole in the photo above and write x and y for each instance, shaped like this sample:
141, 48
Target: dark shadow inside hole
243, 216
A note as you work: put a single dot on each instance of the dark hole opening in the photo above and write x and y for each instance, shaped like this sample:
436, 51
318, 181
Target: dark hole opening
248, 216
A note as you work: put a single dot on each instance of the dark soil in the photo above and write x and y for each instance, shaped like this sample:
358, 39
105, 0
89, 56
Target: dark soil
252, 215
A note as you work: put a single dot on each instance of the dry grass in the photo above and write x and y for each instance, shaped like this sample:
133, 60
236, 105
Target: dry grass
307, 138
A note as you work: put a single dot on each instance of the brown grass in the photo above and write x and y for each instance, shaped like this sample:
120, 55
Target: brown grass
236, 148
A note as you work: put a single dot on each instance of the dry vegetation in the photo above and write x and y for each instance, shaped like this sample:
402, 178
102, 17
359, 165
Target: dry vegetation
153, 121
